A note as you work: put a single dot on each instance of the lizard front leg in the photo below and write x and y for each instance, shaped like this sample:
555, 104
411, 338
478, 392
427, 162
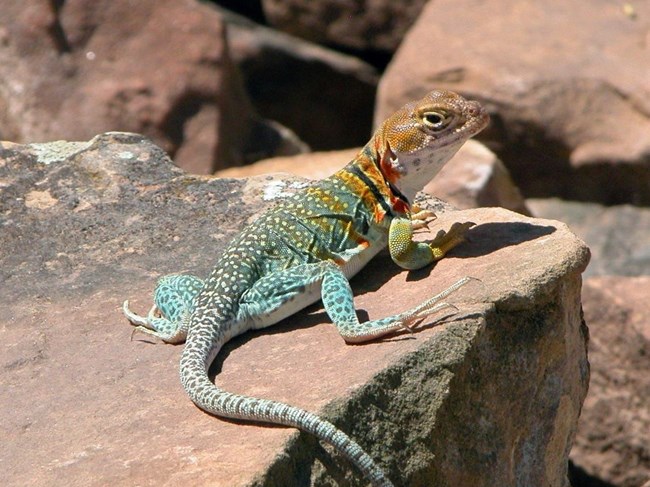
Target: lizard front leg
410, 255
338, 300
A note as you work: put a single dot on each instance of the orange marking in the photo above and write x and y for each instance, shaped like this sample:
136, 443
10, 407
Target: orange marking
385, 164
400, 205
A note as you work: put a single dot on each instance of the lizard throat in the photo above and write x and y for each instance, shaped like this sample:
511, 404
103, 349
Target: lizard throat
383, 163
401, 203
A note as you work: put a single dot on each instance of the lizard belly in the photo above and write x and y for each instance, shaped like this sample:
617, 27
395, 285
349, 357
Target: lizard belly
358, 259
310, 295
354, 260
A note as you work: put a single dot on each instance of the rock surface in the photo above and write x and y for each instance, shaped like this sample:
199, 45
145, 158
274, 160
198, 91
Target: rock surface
618, 236
489, 397
567, 82
366, 25
161, 68
612, 442
473, 178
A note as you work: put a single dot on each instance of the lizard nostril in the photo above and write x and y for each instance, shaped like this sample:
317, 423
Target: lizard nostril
474, 108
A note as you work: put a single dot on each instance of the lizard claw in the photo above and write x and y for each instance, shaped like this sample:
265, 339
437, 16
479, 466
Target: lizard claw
134, 318
422, 218
410, 324
417, 224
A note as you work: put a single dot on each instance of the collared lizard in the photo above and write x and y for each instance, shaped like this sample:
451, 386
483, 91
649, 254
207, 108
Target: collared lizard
306, 248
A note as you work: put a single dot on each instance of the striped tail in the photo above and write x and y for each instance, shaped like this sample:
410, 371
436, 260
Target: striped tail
199, 350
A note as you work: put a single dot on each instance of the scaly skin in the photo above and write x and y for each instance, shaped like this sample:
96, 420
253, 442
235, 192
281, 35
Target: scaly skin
306, 248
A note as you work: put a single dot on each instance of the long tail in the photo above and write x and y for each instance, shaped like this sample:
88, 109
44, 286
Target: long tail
200, 349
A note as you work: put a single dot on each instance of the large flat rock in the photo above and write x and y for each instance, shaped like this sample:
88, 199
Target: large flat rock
489, 396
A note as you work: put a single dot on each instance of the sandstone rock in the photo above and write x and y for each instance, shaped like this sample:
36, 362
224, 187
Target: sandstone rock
567, 83
489, 397
327, 98
73, 69
314, 165
612, 441
473, 178
251, 9
367, 25
618, 236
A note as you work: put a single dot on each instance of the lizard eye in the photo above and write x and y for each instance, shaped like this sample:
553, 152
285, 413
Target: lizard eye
436, 120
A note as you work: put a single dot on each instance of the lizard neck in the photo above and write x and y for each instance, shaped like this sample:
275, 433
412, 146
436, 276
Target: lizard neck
408, 168
363, 177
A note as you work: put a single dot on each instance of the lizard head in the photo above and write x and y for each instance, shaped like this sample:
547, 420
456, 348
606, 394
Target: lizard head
415, 142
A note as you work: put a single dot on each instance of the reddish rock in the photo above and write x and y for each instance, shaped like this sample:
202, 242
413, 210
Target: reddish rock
366, 25
162, 68
314, 165
612, 442
618, 236
86, 225
567, 83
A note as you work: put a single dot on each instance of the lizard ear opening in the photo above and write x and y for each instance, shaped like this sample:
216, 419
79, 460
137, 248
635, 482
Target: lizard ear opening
389, 164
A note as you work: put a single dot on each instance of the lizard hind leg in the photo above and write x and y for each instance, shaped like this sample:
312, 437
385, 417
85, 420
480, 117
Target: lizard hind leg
275, 296
168, 319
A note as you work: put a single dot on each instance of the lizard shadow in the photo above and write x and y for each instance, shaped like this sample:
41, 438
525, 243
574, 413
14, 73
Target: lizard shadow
309, 317
481, 240
489, 237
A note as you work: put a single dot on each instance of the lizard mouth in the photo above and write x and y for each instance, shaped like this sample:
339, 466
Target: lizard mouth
476, 119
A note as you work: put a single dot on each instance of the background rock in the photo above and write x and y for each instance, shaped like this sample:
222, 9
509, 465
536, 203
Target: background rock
477, 178
315, 165
618, 236
326, 97
571, 105
362, 25
86, 225
612, 442
161, 68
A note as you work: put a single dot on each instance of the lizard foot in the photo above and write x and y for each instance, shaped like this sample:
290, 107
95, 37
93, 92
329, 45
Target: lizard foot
136, 319
155, 324
410, 324
410, 319
445, 241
